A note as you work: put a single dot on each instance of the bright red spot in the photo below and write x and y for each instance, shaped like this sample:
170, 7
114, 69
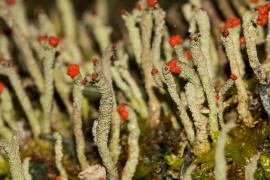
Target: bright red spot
233, 77
152, 2
122, 112
53, 41
174, 40
138, 6
73, 70
242, 40
2, 87
42, 38
154, 70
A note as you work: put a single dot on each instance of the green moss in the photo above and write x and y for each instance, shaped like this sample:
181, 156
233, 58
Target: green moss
243, 143
144, 169
207, 163
173, 161
4, 166
265, 163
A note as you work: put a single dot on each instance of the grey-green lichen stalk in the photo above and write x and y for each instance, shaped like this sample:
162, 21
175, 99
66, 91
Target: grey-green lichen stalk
201, 64
103, 124
13, 154
133, 145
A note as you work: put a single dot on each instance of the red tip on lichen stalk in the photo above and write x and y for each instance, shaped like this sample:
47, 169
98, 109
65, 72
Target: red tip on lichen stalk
138, 6
57, 53
262, 15
94, 13
84, 82
154, 70
217, 97
196, 39
173, 68
94, 60
253, 1
265, 54
232, 22
73, 70
53, 41
122, 112
188, 54
152, 3
101, 178
225, 32
42, 38
122, 11
1, 59
57, 177
9, 62
114, 46
190, 38
94, 76
268, 5
233, 77
2, 87
1, 32
11, 2
242, 40
175, 40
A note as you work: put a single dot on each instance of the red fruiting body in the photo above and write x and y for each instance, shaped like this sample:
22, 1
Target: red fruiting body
122, 11
152, 2
84, 82
1, 59
2, 87
57, 177
195, 39
262, 15
53, 41
190, 38
122, 112
254, 1
242, 40
217, 97
262, 9
11, 2
94, 13
9, 62
94, 76
114, 46
42, 38
166, 69
265, 54
188, 54
101, 178
173, 61
1, 32
138, 6
73, 70
232, 22
174, 40
94, 60
233, 77
224, 32
57, 53
154, 70
268, 5
173, 68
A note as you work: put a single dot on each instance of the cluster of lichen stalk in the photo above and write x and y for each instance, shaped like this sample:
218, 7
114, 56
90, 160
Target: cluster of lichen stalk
53, 64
